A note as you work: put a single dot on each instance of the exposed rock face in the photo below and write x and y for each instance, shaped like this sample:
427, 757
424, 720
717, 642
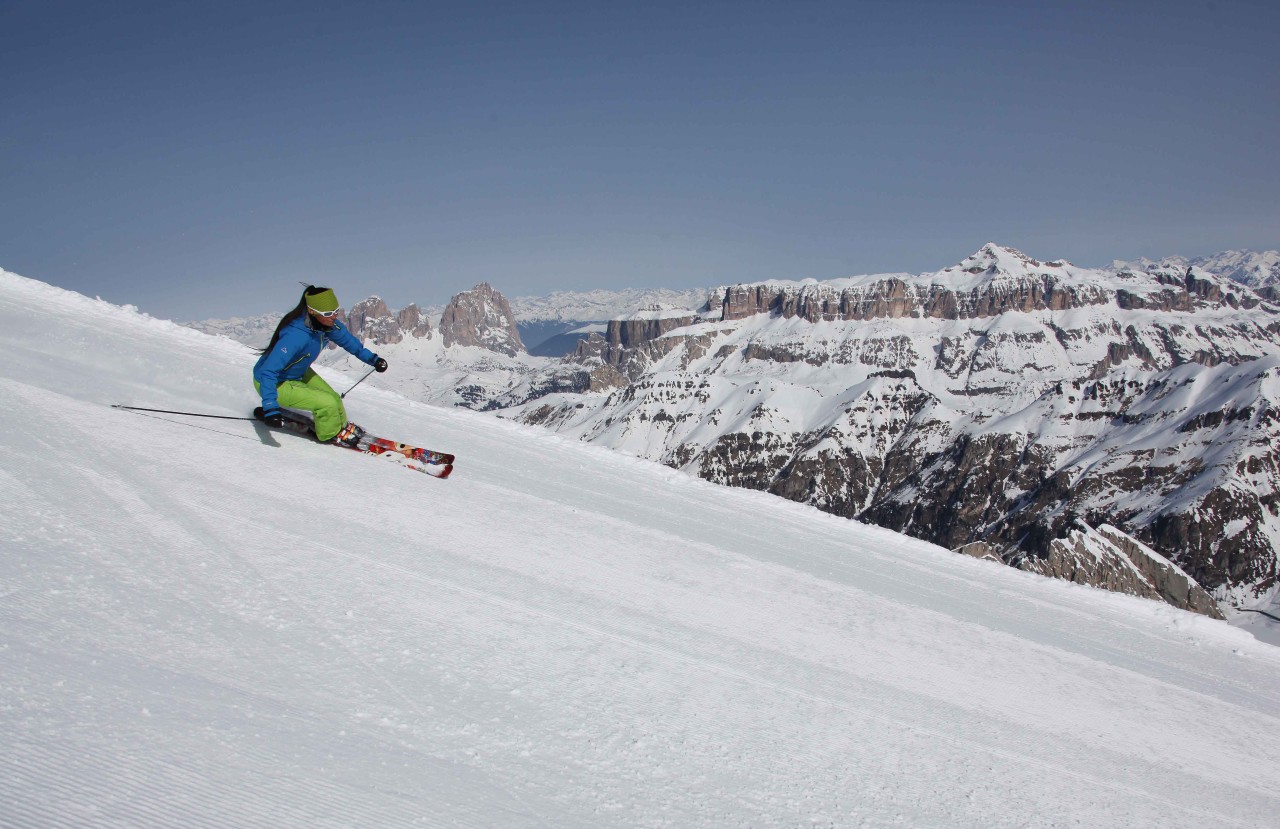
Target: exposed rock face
981, 550
372, 321
997, 406
631, 346
630, 333
481, 317
1111, 559
1010, 281
1170, 581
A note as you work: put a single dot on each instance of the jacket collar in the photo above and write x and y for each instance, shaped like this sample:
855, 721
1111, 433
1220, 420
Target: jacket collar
319, 329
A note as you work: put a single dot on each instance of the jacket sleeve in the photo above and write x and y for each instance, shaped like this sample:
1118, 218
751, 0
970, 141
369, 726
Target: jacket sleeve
287, 349
347, 340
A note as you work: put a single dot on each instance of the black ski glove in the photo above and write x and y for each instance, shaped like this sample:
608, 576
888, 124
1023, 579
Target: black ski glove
379, 365
273, 418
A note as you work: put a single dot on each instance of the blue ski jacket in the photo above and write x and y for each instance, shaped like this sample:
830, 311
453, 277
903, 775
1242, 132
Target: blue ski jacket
298, 347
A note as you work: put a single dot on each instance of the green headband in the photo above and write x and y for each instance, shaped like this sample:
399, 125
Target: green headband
325, 302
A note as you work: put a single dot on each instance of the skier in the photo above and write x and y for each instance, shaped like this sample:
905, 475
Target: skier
283, 374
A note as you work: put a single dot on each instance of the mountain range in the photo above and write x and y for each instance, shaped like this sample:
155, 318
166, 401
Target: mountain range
1112, 426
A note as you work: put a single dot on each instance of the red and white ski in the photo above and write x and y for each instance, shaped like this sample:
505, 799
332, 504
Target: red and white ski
353, 437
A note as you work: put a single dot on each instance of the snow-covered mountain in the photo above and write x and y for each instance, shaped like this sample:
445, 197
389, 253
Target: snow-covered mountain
997, 406
206, 624
1259, 270
1001, 388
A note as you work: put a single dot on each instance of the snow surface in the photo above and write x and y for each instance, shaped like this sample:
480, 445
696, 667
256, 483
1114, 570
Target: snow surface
202, 624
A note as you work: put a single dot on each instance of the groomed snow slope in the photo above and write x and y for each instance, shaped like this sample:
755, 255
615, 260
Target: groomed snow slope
205, 625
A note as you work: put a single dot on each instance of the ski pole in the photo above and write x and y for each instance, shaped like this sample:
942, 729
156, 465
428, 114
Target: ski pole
358, 382
168, 411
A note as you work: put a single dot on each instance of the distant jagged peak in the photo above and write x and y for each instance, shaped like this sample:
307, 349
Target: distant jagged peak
481, 317
370, 319
1145, 265
373, 306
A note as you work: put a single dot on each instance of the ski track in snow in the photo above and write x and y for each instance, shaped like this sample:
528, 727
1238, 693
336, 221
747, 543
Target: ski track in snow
241, 628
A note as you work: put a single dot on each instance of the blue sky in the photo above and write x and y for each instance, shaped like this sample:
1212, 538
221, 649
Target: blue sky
199, 159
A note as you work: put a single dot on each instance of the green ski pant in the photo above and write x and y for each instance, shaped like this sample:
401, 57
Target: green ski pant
314, 395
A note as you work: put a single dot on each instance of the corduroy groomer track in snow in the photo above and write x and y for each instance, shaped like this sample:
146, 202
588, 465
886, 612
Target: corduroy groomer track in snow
225, 626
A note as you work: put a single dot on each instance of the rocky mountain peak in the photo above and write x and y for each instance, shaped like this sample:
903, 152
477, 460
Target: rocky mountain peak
481, 317
372, 321
998, 259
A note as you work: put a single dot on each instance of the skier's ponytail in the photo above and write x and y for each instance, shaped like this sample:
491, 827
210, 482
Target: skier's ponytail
301, 310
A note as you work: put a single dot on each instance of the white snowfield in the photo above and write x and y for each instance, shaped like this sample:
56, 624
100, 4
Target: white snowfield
203, 625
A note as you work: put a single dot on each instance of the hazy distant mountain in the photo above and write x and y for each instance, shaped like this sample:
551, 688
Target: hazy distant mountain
252, 331
601, 305
1258, 270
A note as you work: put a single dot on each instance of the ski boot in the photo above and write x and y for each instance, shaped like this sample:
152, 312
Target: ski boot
350, 436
